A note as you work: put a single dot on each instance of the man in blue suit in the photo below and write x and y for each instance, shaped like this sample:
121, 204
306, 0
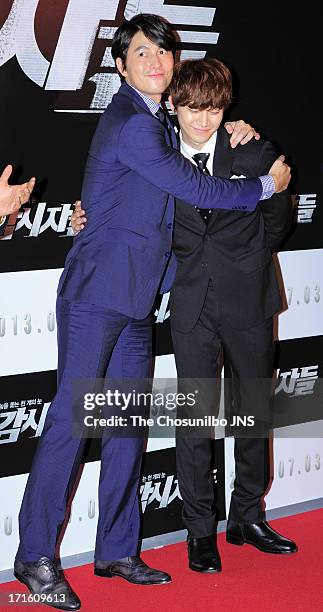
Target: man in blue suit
105, 295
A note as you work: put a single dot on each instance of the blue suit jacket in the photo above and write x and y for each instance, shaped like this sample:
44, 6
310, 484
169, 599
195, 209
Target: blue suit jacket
133, 172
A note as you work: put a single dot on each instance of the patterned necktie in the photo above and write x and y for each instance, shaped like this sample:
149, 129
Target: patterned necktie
162, 116
201, 161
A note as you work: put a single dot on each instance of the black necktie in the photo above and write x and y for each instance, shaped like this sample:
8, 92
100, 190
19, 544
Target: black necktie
201, 161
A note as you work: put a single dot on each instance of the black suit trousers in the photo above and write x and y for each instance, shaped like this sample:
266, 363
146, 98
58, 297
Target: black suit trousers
198, 355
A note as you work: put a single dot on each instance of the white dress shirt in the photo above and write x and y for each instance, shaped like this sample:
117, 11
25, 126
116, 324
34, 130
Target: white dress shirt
208, 147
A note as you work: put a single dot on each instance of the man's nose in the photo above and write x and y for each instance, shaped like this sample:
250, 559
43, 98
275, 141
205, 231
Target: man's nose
156, 61
203, 119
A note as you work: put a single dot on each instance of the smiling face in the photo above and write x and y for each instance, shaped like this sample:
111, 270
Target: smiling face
148, 68
197, 126
200, 92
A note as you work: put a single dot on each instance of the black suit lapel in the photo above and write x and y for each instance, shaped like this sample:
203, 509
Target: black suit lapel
222, 165
223, 156
183, 211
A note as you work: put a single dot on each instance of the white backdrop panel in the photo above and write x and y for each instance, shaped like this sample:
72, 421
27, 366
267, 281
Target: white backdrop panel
303, 280
27, 321
80, 532
298, 468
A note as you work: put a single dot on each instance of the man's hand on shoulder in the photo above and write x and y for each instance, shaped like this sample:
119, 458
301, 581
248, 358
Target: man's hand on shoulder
281, 174
241, 132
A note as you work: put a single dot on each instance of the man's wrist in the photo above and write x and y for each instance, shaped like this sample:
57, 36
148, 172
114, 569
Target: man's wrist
268, 186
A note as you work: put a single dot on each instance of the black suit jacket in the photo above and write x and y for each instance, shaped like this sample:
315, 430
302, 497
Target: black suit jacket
234, 249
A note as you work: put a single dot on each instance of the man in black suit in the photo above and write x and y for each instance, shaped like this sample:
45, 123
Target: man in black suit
224, 297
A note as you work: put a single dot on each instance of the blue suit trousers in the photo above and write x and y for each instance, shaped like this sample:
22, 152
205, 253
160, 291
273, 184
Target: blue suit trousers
93, 342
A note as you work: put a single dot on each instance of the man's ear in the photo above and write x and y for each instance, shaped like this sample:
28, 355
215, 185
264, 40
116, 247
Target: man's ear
120, 67
171, 103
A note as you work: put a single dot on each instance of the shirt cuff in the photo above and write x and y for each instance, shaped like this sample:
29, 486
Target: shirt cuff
268, 186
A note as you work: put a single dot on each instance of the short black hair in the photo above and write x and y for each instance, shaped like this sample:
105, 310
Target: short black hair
154, 27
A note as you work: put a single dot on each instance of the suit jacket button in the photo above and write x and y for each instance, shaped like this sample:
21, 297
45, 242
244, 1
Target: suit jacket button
169, 225
204, 265
167, 254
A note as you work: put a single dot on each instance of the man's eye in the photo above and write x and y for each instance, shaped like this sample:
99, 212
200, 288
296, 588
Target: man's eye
162, 51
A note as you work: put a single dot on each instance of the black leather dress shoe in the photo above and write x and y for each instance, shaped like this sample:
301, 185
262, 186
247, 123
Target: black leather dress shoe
203, 555
132, 569
260, 535
43, 578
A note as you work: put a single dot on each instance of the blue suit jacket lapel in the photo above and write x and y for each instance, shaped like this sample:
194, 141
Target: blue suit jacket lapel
132, 94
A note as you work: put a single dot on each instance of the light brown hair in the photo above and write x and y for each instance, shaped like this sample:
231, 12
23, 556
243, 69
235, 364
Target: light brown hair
201, 84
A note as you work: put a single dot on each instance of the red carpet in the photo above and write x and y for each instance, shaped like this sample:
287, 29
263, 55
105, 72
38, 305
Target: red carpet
250, 580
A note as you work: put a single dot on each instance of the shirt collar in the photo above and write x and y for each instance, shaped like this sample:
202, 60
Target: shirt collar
152, 105
208, 147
